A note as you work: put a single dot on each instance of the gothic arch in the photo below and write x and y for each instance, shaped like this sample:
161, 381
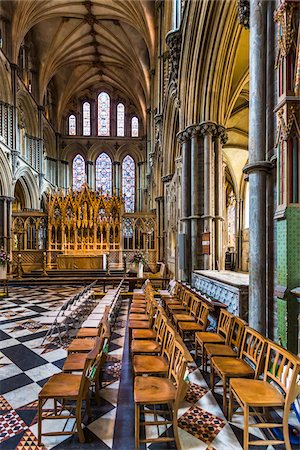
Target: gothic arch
130, 149
30, 188
5, 176
5, 83
27, 113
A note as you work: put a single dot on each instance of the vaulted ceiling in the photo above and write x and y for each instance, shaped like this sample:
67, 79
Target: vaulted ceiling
81, 45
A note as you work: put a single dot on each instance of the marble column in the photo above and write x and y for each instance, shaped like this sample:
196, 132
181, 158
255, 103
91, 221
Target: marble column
185, 250
257, 167
116, 177
14, 85
90, 174
160, 227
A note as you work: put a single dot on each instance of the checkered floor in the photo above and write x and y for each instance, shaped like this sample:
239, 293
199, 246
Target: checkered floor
26, 364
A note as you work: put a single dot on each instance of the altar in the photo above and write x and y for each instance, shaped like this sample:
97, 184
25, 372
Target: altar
83, 261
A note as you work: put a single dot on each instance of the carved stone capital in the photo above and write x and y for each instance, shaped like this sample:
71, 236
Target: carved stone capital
258, 166
243, 7
173, 40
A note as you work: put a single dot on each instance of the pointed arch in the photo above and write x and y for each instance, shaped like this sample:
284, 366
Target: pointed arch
134, 127
104, 173
128, 183
72, 125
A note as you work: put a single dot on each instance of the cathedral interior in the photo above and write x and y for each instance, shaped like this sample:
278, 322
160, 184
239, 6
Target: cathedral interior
149, 224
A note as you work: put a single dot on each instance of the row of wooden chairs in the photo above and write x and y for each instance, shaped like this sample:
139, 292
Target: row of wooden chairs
257, 373
159, 365
70, 389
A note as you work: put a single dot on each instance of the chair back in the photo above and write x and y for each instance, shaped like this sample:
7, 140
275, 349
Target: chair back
202, 317
224, 324
194, 306
283, 368
253, 349
158, 319
89, 367
161, 329
236, 334
187, 299
177, 367
168, 342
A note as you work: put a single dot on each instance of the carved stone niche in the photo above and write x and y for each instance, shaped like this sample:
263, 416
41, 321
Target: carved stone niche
244, 13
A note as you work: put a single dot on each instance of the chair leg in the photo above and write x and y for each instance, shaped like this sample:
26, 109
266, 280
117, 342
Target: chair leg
286, 427
225, 396
246, 425
196, 348
40, 410
137, 426
88, 405
78, 422
175, 426
230, 406
212, 378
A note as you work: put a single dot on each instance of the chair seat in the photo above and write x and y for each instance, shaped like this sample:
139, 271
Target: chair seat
74, 362
61, 385
257, 392
87, 332
183, 318
139, 324
206, 336
190, 326
232, 367
219, 350
145, 364
143, 334
157, 390
143, 346
81, 345
138, 317
174, 303
137, 310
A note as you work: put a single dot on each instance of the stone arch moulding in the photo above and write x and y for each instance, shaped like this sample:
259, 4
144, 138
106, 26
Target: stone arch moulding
70, 151
30, 187
132, 149
5, 83
101, 147
6, 187
27, 113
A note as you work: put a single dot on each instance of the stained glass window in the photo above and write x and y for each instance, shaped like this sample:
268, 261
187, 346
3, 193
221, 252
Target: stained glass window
72, 125
128, 183
104, 173
78, 172
120, 119
86, 119
103, 114
135, 127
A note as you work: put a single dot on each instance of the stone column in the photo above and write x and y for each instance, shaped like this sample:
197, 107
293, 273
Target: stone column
220, 139
257, 167
90, 176
14, 84
208, 128
3, 222
195, 218
116, 177
140, 186
160, 227
184, 249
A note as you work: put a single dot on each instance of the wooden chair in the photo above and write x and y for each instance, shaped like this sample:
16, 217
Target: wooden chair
144, 324
191, 314
159, 364
252, 352
200, 323
180, 306
64, 388
151, 346
220, 337
234, 343
151, 391
86, 332
149, 334
282, 368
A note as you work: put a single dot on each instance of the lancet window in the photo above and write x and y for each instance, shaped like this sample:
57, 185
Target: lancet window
72, 125
104, 173
120, 120
78, 172
128, 183
86, 119
103, 114
135, 127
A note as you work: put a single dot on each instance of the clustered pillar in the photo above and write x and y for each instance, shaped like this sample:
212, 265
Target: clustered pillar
202, 197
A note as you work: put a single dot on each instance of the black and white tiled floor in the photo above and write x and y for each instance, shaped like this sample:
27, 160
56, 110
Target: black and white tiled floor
25, 365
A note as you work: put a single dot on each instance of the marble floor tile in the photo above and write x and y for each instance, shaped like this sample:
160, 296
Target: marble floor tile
23, 395
41, 372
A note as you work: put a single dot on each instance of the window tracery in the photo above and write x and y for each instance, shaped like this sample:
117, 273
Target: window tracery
134, 127
103, 114
104, 173
78, 172
86, 119
128, 183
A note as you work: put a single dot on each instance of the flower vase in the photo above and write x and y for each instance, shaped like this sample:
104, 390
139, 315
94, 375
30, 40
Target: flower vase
140, 270
3, 272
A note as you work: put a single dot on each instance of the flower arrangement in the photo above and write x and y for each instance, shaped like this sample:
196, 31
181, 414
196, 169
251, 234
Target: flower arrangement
4, 257
138, 257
